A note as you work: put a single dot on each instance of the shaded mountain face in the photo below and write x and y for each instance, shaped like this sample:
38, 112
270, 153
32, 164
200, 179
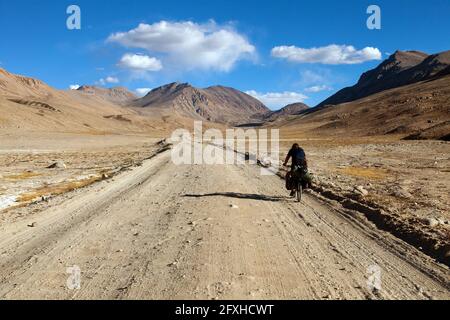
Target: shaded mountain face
417, 111
217, 104
117, 95
290, 109
401, 68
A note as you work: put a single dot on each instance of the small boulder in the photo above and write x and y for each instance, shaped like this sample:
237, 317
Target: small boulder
401, 193
432, 222
360, 190
57, 165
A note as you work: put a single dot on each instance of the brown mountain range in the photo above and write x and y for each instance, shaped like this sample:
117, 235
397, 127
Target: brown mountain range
401, 68
408, 94
216, 104
417, 111
117, 95
30, 104
289, 110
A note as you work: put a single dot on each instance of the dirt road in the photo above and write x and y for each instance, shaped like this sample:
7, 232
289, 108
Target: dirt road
163, 231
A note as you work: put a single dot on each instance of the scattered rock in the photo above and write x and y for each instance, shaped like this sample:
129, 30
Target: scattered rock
401, 193
360, 190
447, 254
57, 165
105, 176
32, 225
432, 222
233, 206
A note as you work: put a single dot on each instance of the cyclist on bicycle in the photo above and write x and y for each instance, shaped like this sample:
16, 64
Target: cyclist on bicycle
298, 156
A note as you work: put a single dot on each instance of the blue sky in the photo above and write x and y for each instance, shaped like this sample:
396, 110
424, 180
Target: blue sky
144, 44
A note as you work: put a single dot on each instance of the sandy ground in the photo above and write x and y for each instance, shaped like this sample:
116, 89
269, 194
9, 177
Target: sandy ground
408, 176
163, 231
24, 161
408, 180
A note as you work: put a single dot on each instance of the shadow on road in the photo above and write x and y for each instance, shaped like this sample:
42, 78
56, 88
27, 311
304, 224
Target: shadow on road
238, 196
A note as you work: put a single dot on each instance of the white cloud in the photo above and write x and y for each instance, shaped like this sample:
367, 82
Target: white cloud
142, 91
277, 99
112, 80
104, 81
74, 87
139, 62
315, 89
188, 45
332, 54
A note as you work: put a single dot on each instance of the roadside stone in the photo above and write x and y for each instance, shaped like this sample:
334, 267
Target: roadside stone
360, 190
57, 165
432, 222
401, 193
447, 254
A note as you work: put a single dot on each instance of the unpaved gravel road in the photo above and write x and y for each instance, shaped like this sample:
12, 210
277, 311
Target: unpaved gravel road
163, 231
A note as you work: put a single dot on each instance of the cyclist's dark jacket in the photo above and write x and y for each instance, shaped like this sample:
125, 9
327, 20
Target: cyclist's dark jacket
298, 156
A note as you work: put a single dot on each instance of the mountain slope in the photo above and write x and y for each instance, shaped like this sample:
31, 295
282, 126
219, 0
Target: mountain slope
420, 110
401, 68
289, 110
216, 104
20, 86
117, 95
30, 105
